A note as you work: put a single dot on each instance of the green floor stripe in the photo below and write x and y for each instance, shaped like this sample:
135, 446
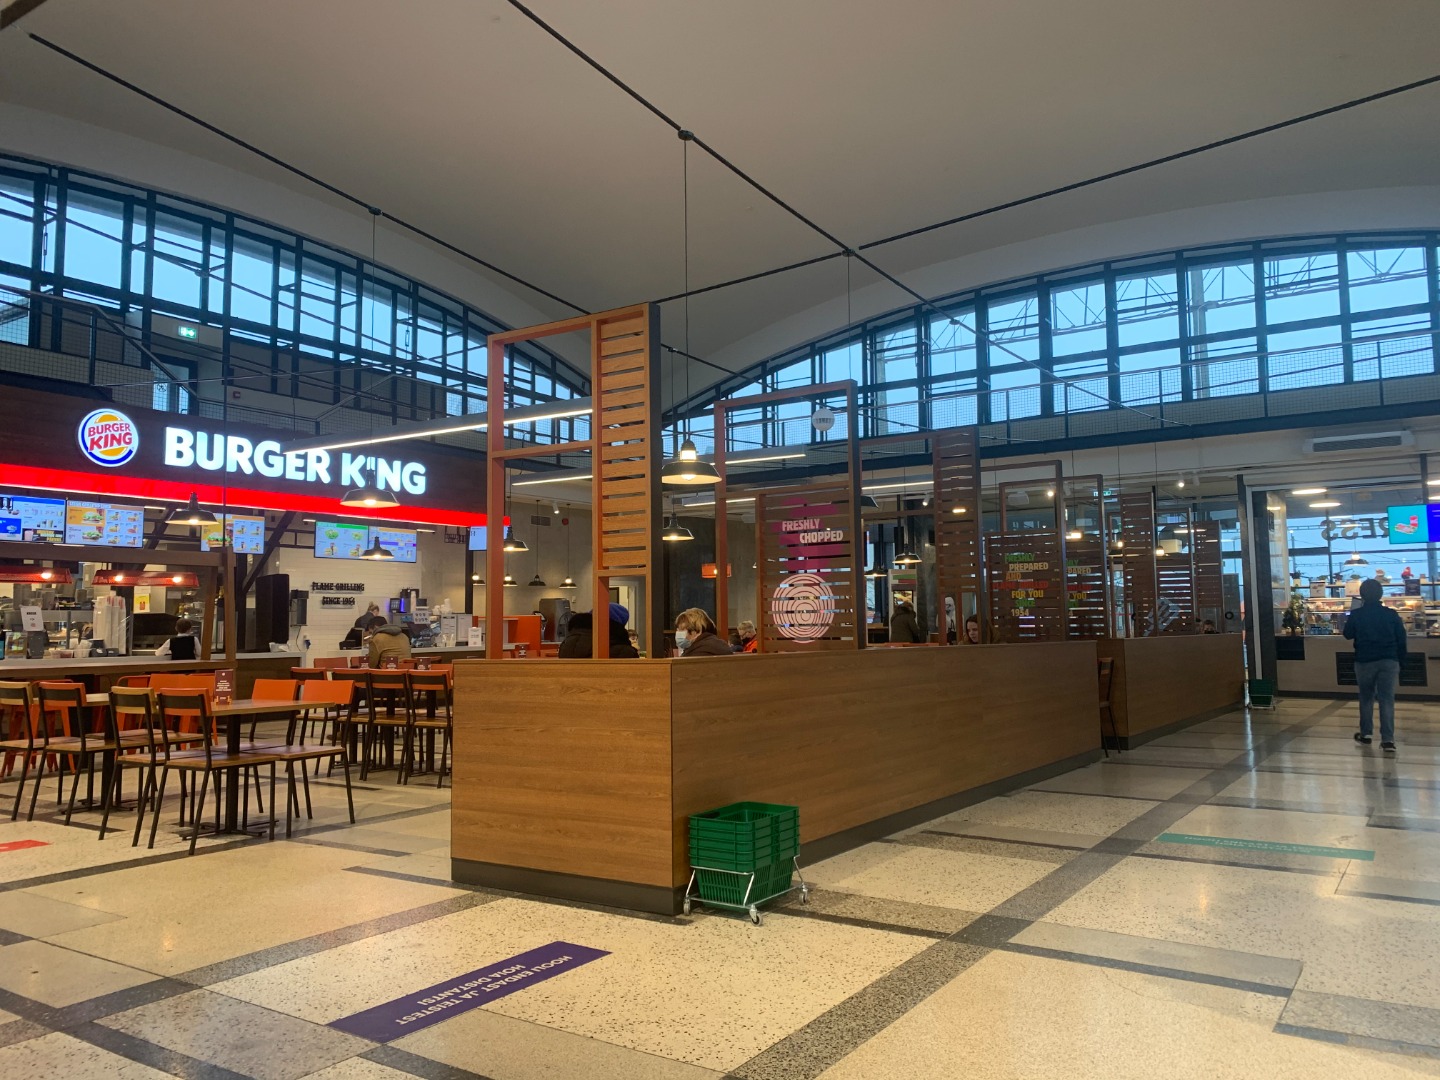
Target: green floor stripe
1267, 845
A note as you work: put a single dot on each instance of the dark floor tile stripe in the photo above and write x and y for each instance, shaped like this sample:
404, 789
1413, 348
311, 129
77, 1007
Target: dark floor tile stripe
362, 848
1021, 843
1243, 803
1095, 794
1431, 901
1388, 1046
415, 1065
854, 920
1237, 864
127, 864
1403, 821
1148, 969
294, 950
147, 1053
9, 937
18, 1031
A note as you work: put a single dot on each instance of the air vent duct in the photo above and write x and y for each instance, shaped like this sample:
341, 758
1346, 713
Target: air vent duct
1372, 440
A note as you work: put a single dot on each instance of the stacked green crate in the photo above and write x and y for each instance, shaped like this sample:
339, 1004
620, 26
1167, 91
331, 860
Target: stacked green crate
729, 844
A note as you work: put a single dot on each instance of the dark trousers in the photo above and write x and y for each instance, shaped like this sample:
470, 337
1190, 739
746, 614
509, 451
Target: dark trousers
1377, 679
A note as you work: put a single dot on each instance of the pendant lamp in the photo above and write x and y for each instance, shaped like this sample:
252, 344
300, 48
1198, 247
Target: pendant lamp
907, 558
368, 496
674, 532
510, 581
192, 513
686, 468
377, 550
1356, 559
537, 582
569, 582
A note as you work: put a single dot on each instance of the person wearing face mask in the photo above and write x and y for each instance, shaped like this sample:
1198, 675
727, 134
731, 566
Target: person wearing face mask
695, 635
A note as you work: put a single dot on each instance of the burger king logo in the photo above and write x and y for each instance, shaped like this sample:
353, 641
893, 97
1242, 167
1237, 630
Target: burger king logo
108, 438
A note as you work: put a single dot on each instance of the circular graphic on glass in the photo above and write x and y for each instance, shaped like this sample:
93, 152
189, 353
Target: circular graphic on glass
803, 607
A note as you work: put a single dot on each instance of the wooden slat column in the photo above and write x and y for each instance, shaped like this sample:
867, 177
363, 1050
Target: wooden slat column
959, 565
626, 484
1137, 559
1027, 586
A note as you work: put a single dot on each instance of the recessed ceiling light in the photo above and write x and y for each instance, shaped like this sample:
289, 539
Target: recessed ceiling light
1325, 504
1433, 483
1308, 491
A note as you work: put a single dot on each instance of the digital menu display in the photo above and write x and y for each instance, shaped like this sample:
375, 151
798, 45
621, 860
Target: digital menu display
479, 537
338, 540
247, 534
40, 521
399, 542
1413, 524
104, 524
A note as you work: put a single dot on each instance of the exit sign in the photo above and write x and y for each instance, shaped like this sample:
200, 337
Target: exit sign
189, 332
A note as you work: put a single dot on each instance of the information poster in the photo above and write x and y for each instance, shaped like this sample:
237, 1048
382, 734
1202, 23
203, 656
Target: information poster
246, 533
399, 542
31, 621
338, 540
36, 521
104, 524
224, 686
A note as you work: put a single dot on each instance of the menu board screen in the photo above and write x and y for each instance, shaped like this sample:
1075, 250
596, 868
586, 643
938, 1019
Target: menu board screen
1411, 524
247, 534
399, 542
479, 537
40, 521
104, 524
338, 540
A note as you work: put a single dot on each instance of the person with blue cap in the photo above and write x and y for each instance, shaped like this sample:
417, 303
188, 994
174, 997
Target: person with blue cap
579, 640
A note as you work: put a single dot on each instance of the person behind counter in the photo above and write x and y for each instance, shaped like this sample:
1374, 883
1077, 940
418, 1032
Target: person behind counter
388, 642
371, 621
579, 643
1379, 638
695, 635
904, 626
184, 645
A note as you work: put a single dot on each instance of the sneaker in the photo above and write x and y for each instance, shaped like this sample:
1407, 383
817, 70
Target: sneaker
1388, 747
1362, 738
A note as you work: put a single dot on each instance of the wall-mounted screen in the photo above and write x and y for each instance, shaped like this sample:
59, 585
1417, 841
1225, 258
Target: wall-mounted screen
339, 540
104, 524
246, 533
1412, 524
399, 542
479, 535
36, 521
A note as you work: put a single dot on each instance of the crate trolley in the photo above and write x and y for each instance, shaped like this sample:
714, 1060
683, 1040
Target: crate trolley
744, 855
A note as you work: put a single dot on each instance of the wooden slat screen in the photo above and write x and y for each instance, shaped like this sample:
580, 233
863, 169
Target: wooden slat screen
627, 441
807, 569
1137, 561
1027, 586
1175, 583
1085, 583
1209, 571
958, 545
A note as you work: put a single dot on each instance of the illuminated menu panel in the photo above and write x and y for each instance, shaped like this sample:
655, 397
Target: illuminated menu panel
338, 540
479, 537
104, 524
399, 542
246, 533
38, 521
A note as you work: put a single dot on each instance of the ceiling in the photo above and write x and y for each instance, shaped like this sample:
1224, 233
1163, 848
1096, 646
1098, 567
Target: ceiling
466, 119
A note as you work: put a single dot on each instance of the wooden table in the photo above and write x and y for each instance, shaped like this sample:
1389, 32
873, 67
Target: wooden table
234, 714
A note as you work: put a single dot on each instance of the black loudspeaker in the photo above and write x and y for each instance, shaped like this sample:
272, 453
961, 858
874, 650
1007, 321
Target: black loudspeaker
272, 611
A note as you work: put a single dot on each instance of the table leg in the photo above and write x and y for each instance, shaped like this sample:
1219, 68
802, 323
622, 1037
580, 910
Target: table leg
232, 787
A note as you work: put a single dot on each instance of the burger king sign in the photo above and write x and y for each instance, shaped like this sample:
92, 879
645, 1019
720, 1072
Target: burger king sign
108, 437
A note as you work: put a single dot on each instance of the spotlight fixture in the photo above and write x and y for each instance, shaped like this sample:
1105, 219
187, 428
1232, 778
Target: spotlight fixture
369, 497
377, 551
192, 513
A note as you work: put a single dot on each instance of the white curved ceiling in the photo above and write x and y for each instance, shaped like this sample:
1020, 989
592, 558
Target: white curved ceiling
466, 119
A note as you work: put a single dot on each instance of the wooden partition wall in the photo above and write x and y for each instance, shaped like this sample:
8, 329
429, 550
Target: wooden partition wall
624, 448
959, 564
1136, 557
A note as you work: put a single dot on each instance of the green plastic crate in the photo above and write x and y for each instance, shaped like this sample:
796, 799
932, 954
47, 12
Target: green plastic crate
744, 836
1262, 693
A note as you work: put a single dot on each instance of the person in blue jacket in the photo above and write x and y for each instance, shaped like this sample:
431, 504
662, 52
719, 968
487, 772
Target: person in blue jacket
1379, 638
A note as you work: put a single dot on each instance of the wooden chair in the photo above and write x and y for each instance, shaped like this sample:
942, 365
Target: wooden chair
397, 718
330, 663
435, 686
63, 704
296, 752
1107, 709
176, 709
327, 701
27, 738
133, 722
305, 673
272, 690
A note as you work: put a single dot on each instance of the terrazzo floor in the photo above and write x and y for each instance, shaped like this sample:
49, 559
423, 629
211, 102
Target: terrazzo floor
1251, 897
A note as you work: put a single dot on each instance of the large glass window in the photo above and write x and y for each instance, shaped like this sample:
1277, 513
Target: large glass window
1387, 277
1302, 287
1147, 307
1077, 318
1221, 298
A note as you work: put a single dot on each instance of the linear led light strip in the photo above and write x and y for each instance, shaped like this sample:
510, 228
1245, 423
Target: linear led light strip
530, 414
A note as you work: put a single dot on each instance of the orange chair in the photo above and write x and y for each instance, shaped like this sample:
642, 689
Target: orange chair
303, 673
326, 662
27, 739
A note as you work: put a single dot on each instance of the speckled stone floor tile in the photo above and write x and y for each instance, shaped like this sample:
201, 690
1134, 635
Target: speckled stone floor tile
171, 908
1146, 782
1349, 945
927, 875
1013, 1017
1405, 1024
237, 1035
357, 1068
1213, 740
1031, 809
873, 909
990, 831
53, 975
690, 987
41, 916
1002, 848
504, 1048
61, 1055
1178, 756
1373, 885
1279, 826
70, 849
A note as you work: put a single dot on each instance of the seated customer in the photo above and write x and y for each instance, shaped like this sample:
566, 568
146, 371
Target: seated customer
579, 643
904, 626
184, 645
749, 640
389, 642
695, 635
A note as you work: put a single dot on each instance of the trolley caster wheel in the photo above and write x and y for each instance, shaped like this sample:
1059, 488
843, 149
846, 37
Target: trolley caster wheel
686, 908
754, 915
804, 894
